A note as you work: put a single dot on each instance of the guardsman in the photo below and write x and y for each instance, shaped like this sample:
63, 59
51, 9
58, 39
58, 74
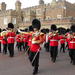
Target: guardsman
53, 37
19, 42
46, 42
35, 46
4, 41
62, 43
28, 39
0, 40
62, 32
71, 45
67, 37
25, 39
11, 39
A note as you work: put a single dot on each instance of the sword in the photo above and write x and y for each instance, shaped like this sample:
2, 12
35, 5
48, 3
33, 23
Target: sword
27, 51
35, 56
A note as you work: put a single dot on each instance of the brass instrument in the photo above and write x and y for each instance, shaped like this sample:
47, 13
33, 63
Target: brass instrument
0, 34
73, 35
22, 32
36, 34
4, 33
54, 33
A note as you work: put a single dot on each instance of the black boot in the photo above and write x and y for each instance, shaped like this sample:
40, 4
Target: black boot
71, 61
54, 59
35, 71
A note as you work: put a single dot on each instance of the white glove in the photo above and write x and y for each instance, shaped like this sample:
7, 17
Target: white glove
34, 42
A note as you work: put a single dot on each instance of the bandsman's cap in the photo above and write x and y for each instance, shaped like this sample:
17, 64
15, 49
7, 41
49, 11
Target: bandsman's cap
61, 30
30, 28
0, 30
53, 27
73, 28
10, 25
36, 24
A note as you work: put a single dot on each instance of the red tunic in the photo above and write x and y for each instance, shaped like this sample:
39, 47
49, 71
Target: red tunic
25, 37
1, 38
11, 37
18, 38
29, 40
71, 43
3, 41
54, 40
62, 39
35, 47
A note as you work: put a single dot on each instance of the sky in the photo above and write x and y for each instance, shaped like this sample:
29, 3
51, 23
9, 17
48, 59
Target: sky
26, 3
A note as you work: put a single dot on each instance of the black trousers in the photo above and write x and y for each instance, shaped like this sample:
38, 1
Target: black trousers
31, 57
67, 46
0, 47
24, 45
46, 46
62, 47
11, 49
53, 52
72, 55
19, 46
4, 48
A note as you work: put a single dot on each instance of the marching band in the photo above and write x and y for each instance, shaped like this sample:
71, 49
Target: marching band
31, 39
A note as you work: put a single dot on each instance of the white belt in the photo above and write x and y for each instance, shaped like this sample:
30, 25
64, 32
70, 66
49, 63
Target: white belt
0, 40
72, 42
11, 37
53, 40
29, 40
62, 39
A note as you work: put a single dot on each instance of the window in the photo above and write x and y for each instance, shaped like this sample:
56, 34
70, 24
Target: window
38, 11
59, 16
14, 20
26, 19
5, 21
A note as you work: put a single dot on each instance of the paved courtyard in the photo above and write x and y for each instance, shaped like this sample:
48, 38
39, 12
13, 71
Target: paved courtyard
20, 65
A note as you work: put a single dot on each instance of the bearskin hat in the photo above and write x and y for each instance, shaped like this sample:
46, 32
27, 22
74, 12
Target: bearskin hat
36, 24
30, 28
43, 31
68, 30
73, 28
26, 29
47, 30
4, 30
10, 25
0, 30
22, 30
61, 30
53, 27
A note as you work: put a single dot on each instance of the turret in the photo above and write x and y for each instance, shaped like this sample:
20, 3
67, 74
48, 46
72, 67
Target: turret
2, 6
53, 3
18, 5
41, 2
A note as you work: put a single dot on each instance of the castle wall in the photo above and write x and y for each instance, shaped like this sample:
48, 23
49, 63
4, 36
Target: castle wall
63, 13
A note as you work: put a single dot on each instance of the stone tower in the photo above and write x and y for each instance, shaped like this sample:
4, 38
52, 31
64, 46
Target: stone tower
2, 6
53, 3
18, 5
61, 0
41, 2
